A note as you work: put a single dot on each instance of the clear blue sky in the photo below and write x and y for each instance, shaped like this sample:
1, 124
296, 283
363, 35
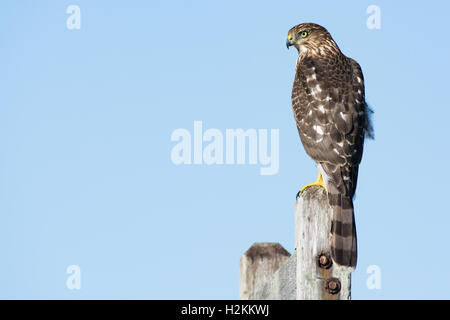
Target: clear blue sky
86, 117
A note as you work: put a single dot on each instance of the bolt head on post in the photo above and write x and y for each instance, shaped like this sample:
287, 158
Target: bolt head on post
333, 285
324, 261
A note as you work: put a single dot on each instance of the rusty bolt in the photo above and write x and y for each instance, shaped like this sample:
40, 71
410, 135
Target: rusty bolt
324, 261
333, 285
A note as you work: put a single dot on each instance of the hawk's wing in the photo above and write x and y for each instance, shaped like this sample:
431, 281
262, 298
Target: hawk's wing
331, 114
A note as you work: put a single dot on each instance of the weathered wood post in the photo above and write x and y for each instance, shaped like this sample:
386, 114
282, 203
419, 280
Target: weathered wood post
309, 273
258, 265
318, 277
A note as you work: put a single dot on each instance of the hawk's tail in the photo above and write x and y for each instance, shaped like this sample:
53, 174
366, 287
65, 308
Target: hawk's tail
343, 230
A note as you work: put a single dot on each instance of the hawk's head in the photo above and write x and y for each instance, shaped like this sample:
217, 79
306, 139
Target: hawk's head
311, 40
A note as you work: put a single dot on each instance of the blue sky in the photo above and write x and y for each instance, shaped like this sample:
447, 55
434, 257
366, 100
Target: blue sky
86, 118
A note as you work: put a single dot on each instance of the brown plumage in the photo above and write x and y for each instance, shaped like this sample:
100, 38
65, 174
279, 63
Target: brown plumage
332, 120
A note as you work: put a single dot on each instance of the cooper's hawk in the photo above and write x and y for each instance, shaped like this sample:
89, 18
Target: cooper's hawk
332, 120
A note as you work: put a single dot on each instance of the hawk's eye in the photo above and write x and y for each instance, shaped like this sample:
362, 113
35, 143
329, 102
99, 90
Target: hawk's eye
303, 34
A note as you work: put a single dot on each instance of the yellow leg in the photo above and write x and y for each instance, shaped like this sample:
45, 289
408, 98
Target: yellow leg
318, 182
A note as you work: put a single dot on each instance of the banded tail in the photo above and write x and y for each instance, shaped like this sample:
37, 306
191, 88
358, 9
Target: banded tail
343, 229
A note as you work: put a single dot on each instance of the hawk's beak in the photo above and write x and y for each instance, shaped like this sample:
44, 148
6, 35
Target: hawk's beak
289, 43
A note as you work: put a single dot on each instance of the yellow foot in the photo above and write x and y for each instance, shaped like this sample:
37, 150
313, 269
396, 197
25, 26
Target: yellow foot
318, 182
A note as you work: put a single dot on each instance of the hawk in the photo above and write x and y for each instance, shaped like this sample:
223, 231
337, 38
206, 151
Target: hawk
332, 120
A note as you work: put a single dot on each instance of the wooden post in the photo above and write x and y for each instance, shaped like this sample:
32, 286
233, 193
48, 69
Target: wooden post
267, 271
318, 278
258, 265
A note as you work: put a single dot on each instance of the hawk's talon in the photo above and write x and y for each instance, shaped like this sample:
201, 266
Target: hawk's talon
319, 182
